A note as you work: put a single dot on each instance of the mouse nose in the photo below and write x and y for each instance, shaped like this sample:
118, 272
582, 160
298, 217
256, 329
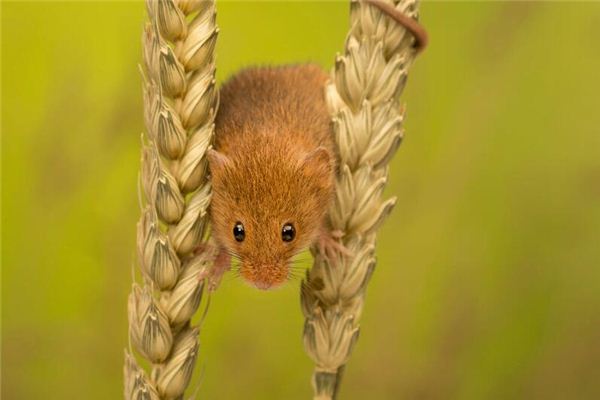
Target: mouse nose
264, 276
262, 285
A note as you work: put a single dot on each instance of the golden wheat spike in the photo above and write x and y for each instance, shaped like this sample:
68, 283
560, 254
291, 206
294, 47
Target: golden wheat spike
363, 98
180, 102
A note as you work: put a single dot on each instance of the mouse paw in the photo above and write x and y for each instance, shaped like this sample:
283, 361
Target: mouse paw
206, 247
329, 244
221, 264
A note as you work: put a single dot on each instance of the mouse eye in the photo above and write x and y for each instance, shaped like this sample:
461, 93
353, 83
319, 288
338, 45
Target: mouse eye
288, 233
238, 232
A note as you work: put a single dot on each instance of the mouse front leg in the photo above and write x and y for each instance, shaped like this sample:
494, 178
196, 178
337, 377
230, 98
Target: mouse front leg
221, 263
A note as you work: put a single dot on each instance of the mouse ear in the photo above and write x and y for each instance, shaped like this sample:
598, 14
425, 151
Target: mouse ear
217, 161
318, 165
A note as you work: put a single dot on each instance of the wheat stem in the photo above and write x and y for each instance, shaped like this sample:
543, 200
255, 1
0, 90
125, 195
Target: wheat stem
363, 98
180, 102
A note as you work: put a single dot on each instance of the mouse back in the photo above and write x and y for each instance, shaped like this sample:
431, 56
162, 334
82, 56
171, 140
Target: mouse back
285, 101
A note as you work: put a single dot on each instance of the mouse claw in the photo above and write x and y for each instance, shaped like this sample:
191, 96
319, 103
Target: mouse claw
329, 244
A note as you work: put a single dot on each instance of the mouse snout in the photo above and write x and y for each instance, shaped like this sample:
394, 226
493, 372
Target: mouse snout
262, 285
264, 276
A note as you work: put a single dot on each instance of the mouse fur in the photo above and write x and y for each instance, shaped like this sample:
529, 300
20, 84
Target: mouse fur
272, 164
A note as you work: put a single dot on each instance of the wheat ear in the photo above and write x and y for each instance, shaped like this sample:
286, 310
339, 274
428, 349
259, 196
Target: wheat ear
363, 98
180, 102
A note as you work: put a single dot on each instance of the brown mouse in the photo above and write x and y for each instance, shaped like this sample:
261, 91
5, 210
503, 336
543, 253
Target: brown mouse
272, 168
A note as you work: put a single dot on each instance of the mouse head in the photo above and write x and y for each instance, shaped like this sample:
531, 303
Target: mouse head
268, 206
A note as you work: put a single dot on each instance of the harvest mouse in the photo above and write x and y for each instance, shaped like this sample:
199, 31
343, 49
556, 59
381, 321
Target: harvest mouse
273, 166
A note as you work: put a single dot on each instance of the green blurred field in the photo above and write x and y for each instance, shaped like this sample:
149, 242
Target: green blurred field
488, 283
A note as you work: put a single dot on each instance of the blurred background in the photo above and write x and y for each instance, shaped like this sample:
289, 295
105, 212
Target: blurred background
488, 280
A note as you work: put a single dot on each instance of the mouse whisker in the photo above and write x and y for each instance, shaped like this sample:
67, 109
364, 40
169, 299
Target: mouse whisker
301, 259
235, 272
298, 267
295, 275
297, 270
298, 260
308, 285
230, 252
233, 255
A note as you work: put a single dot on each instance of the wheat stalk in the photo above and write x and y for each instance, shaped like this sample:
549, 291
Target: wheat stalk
363, 98
180, 103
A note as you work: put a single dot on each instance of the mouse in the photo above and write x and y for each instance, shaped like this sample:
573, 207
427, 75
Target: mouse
273, 167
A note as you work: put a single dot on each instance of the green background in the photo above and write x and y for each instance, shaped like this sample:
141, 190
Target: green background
488, 281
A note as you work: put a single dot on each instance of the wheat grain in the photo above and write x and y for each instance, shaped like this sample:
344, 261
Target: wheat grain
363, 98
180, 103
